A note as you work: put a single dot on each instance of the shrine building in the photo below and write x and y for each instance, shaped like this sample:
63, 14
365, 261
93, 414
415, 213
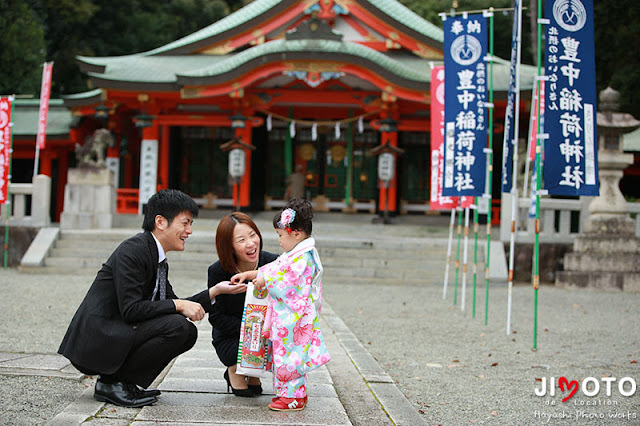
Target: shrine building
325, 84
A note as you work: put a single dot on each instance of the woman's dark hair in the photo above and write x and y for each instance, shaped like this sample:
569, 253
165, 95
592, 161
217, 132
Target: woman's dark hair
167, 203
304, 215
224, 239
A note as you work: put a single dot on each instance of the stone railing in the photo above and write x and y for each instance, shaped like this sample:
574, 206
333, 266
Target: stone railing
30, 203
560, 220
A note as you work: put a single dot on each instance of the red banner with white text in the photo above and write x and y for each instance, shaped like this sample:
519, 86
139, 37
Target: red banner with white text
5, 147
45, 92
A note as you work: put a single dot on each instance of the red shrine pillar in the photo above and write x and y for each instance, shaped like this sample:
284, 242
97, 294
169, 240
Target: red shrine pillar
244, 134
163, 165
389, 136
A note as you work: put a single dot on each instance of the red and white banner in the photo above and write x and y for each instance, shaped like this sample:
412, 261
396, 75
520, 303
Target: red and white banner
5, 147
45, 91
437, 201
533, 131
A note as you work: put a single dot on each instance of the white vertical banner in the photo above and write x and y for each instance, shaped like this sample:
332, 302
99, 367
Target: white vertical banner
148, 171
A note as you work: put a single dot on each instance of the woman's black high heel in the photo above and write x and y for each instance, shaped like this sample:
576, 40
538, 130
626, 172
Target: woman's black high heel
256, 389
236, 392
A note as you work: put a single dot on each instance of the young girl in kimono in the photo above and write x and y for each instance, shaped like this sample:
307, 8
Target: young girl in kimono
292, 320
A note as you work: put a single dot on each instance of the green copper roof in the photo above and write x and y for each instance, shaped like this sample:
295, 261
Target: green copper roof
251, 11
26, 114
184, 69
406, 16
254, 10
313, 46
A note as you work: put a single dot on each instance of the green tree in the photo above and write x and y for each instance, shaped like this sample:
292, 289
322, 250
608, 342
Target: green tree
23, 49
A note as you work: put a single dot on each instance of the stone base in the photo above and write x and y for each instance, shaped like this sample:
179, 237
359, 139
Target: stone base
86, 220
606, 257
626, 281
89, 200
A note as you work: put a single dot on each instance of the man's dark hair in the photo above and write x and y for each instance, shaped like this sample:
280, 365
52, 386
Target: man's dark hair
167, 203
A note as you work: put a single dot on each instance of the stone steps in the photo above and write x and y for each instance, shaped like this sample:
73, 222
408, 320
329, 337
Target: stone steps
375, 259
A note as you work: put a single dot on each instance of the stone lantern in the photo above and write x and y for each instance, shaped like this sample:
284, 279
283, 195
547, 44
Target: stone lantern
607, 254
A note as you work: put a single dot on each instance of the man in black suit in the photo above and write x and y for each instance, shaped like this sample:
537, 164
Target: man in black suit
131, 324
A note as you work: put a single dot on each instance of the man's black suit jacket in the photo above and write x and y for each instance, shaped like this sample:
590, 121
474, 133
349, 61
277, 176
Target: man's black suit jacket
102, 331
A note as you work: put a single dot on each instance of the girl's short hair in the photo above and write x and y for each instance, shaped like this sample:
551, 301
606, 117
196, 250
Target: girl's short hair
224, 239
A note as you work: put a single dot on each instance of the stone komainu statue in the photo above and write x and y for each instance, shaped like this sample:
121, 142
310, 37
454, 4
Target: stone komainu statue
92, 153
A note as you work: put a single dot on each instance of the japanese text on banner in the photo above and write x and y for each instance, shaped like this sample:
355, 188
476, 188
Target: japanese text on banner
5, 147
571, 164
465, 47
45, 92
437, 200
508, 144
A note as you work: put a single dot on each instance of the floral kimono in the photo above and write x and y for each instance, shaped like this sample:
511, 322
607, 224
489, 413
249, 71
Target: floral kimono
292, 322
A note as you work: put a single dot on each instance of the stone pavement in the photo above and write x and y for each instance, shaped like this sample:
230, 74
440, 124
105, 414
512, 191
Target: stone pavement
351, 389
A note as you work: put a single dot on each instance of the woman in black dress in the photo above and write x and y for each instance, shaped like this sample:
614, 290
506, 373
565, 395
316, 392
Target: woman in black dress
239, 247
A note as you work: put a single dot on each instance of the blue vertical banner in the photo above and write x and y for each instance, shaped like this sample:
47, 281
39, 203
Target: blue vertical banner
465, 51
508, 143
571, 150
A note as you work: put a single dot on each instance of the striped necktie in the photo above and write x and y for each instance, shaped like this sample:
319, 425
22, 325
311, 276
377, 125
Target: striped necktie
163, 268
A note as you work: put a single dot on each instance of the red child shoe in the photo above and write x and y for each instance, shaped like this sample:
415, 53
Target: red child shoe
288, 404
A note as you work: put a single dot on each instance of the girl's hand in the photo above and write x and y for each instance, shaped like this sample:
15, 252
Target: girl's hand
259, 283
241, 277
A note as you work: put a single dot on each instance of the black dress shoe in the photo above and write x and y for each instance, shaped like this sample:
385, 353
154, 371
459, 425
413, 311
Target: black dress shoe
121, 394
148, 392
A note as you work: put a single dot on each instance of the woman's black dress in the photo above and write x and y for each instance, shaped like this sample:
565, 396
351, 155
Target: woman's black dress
226, 314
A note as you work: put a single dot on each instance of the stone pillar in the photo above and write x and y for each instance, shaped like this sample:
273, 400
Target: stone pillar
89, 199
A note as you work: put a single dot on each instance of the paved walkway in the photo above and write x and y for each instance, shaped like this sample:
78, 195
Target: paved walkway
351, 389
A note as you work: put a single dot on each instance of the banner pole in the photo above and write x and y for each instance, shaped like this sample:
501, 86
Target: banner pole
514, 180
464, 258
449, 244
538, 165
490, 167
8, 202
475, 254
455, 286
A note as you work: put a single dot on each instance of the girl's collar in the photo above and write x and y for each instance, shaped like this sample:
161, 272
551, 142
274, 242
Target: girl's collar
303, 246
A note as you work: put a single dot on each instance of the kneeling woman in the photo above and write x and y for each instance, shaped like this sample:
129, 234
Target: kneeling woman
239, 247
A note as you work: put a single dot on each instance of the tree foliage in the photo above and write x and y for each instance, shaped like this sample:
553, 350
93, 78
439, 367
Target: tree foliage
59, 30
23, 48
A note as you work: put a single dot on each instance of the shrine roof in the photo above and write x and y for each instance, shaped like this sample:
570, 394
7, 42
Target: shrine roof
171, 72
26, 115
168, 72
259, 11
408, 18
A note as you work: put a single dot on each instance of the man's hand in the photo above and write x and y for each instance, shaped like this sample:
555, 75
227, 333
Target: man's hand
225, 287
189, 309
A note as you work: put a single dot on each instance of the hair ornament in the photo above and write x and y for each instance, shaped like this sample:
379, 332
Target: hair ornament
286, 219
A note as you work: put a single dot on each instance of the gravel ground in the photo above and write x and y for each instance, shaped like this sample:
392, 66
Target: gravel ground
455, 370
452, 367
